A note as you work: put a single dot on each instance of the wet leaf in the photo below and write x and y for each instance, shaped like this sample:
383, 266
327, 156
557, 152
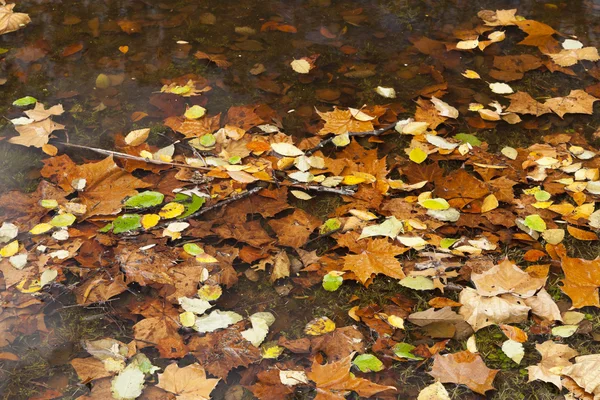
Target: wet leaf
145, 199
368, 363
464, 368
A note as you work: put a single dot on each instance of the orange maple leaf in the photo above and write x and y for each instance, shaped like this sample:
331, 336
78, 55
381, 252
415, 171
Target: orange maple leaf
464, 368
334, 380
377, 258
341, 121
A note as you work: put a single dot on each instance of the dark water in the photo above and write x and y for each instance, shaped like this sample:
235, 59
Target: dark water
361, 45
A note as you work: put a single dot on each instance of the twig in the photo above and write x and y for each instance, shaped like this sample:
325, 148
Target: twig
345, 191
131, 157
376, 132
324, 235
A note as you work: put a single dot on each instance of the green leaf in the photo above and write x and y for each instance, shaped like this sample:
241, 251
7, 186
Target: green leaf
331, 224
3, 50
332, 281
447, 242
235, 160
127, 222
145, 199
468, 138
25, 101
195, 112
106, 228
542, 195
49, 203
535, 222
208, 140
404, 350
435, 204
368, 363
63, 220
192, 204
418, 283
193, 249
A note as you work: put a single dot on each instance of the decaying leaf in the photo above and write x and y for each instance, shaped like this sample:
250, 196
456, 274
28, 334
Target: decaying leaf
464, 368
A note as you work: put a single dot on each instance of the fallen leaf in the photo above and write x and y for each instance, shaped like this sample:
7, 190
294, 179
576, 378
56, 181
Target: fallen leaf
464, 368
11, 21
555, 357
187, 383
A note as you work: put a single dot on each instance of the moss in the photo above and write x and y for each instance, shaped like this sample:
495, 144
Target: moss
19, 379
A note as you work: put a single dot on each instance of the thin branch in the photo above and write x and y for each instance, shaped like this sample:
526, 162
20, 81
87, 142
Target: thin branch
126, 156
376, 132
344, 191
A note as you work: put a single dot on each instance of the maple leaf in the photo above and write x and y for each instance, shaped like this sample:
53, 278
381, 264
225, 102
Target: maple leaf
377, 258
35, 134
566, 57
464, 368
40, 113
219, 59
339, 122
144, 267
554, 357
187, 383
334, 379
269, 386
426, 112
523, 103
576, 102
582, 279
440, 321
11, 21
195, 127
498, 17
586, 373
538, 34
340, 343
162, 331
480, 311
89, 369
219, 352
97, 288
507, 277
294, 230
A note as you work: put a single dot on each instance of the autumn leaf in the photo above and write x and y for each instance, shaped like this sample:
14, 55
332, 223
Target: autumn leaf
576, 102
219, 59
464, 368
11, 21
187, 383
35, 134
219, 352
566, 58
555, 357
582, 279
481, 311
40, 113
340, 122
377, 258
523, 103
334, 379
586, 373
507, 277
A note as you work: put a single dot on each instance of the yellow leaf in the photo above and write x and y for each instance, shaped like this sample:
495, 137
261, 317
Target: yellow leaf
206, 259
33, 287
417, 155
10, 249
150, 220
353, 180
319, 326
489, 203
187, 319
40, 228
124, 49
171, 210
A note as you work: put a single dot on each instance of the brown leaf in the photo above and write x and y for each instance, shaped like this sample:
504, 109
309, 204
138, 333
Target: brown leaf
269, 386
340, 343
40, 113
576, 102
188, 383
220, 352
481, 311
294, 229
35, 134
334, 379
339, 122
161, 332
582, 279
11, 21
377, 258
507, 277
523, 103
219, 59
464, 368
554, 356
89, 369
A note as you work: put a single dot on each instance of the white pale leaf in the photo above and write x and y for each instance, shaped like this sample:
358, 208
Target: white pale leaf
293, 378
440, 142
216, 320
286, 149
197, 306
513, 350
501, 88
443, 108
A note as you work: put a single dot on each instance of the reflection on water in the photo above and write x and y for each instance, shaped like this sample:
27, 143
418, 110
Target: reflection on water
248, 45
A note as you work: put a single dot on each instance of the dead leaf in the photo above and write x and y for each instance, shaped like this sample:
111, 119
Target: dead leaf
35, 134
377, 258
187, 383
555, 357
576, 102
582, 279
464, 368
11, 21
334, 379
